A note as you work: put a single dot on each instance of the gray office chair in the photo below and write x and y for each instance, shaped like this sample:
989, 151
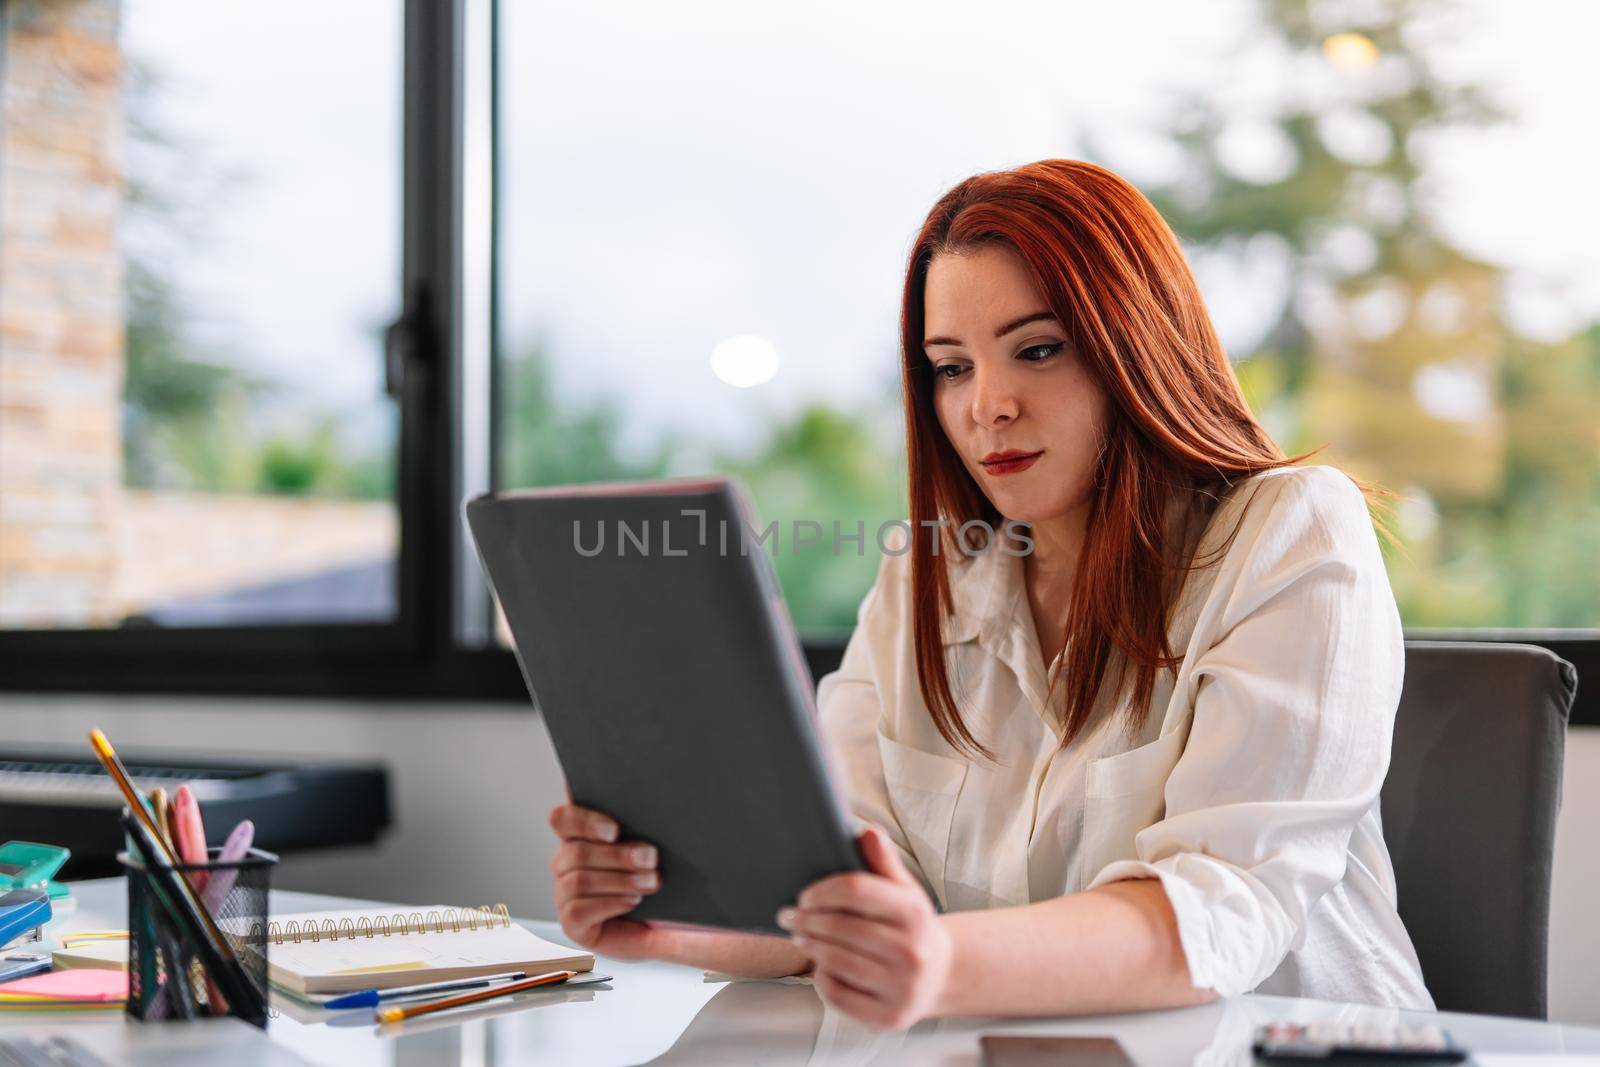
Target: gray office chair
1469, 814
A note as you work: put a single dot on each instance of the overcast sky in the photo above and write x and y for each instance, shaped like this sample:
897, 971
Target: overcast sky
679, 174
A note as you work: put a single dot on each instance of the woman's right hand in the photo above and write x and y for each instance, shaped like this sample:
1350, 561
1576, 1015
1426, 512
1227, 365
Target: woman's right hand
599, 879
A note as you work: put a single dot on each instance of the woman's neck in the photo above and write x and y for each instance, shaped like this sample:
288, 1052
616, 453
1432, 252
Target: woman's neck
1057, 543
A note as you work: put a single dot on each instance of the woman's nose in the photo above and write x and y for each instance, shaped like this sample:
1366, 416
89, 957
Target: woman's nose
993, 399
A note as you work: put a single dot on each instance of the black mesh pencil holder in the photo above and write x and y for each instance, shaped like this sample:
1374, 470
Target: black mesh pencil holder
166, 978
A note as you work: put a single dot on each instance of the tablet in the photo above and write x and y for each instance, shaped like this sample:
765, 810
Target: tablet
654, 640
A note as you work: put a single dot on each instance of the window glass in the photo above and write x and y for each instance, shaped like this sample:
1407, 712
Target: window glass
706, 212
199, 249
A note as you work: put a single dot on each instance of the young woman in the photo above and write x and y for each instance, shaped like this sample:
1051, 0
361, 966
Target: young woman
1184, 803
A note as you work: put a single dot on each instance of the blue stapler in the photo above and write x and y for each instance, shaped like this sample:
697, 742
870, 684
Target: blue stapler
22, 913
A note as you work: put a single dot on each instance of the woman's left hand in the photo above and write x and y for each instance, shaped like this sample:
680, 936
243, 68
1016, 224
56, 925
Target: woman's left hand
880, 951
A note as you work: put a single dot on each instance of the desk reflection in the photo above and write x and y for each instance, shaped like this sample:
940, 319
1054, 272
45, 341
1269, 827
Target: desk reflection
779, 1022
774, 1023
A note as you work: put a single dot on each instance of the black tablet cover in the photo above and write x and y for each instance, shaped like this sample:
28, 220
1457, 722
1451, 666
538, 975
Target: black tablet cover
656, 643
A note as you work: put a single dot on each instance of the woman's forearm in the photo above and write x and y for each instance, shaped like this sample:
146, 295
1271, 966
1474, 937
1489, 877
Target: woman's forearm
1114, 948
740, 954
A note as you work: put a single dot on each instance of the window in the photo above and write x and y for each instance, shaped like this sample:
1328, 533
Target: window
201, 255
704, 223
228, 299
468, 243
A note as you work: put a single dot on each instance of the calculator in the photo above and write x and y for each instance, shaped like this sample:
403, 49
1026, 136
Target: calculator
1348, 1042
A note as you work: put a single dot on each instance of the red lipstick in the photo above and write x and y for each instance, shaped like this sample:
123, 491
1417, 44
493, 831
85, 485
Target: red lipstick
1010, 461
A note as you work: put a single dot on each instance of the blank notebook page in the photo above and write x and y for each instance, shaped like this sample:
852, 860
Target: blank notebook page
347, 964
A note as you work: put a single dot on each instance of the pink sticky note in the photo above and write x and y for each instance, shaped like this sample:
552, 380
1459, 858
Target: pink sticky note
78, 983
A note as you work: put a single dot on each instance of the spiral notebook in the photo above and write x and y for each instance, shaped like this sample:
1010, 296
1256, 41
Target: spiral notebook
378, 948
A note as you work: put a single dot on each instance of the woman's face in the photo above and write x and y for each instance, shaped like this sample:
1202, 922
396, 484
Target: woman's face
1005, 380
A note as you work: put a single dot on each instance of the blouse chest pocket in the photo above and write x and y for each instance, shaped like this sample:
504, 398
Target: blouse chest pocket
922, 789
1123, 794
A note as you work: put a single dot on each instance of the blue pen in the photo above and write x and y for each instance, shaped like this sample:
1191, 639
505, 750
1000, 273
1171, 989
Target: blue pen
370, 998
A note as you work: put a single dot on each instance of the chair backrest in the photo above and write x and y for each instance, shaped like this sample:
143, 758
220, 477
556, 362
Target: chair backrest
1469, 813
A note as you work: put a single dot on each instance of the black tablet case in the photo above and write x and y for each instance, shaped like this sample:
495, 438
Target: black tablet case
673, 685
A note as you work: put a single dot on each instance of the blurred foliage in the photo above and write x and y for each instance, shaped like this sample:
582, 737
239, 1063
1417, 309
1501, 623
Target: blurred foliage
827, 467
192, 416
545, 441
176, 429
821, 465
1392, 347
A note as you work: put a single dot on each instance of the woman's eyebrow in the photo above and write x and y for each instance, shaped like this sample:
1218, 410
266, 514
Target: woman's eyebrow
1037, 316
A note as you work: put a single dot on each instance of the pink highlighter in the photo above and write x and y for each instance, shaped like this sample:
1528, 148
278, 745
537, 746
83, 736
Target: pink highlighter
191, 842
190, 831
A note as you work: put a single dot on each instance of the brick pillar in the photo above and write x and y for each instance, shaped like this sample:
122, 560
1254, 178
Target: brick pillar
61, 320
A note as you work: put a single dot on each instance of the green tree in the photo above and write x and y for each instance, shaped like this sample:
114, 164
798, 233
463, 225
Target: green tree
172, 398
192, 418
547, 441
820, 465
1392, 348
826, 466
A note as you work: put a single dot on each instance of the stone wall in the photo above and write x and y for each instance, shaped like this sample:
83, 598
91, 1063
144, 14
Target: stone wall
61, 331
183, 546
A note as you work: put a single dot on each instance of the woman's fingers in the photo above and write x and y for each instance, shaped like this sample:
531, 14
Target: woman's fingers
586, 912
597, 880
866, 936
871, 895
590, 883
631, 856
866, 973
572, 823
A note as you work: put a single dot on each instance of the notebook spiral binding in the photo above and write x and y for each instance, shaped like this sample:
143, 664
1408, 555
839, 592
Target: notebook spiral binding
399, 924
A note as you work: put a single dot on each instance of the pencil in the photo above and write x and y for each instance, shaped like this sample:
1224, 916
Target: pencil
139, 806
394, 1015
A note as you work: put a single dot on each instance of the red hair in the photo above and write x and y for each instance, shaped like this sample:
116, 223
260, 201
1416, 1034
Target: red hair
1179, 429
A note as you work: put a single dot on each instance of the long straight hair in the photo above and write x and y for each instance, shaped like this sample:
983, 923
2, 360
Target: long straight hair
1179, 430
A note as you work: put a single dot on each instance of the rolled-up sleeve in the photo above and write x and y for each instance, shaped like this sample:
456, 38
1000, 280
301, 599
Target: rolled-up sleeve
1293, 715
849, 706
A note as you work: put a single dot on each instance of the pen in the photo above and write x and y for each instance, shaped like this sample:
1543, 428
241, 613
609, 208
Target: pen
394, 1015
369, 998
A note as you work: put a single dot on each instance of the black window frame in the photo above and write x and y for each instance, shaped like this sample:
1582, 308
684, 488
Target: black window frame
420, 656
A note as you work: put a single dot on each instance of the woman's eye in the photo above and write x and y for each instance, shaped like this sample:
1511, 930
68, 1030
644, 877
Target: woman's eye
1048, 350
939, 371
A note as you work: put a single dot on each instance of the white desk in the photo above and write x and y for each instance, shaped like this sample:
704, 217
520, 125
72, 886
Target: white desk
664, 1014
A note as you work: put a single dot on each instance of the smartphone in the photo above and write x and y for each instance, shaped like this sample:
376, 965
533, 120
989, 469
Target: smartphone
1038, 1051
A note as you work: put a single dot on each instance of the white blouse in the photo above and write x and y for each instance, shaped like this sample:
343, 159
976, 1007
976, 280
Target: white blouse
1251, 792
